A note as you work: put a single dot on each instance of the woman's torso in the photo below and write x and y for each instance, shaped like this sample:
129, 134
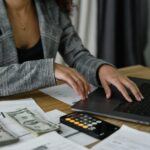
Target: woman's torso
47, 28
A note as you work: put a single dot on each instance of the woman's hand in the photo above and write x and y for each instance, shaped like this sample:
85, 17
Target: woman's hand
109, 75
73, 79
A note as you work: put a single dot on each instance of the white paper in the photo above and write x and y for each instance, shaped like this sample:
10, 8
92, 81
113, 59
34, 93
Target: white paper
6, 106
125, 139
54, 116
70, 133
63, 93
12, 105
83, 139
50, 141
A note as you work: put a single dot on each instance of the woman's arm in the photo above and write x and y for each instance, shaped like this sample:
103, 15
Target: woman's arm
18, 78
77, 56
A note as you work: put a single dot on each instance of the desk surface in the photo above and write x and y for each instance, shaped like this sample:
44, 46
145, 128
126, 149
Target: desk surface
48, 103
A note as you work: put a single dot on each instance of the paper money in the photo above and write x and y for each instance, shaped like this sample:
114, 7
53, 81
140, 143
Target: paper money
6, 137
32, 121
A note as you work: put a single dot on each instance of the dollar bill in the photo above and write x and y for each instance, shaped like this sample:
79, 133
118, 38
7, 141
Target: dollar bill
6, 136
32, 121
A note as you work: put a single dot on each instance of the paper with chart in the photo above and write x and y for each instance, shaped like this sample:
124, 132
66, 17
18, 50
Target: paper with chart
125, 139
64, 93
50, 141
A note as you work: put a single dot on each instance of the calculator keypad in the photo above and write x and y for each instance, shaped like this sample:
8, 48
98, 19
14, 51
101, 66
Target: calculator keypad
84, 121
88, 124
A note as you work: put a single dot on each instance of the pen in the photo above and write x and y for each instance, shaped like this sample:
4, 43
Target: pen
3, 115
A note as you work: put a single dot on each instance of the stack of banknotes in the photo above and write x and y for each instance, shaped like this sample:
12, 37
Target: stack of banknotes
6, 136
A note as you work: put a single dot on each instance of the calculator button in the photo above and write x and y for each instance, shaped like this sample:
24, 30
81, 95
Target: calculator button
99, 121
90, 121
81, 115
85, 119
101, 134
85, 127
81, 118
72, 121
91, 128
90, 125
94, 123
80, 125
89, 117
85, 123
76, 123
81, 121
76, 119
94, 120
67, 119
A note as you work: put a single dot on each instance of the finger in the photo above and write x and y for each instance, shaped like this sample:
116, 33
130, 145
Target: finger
84, 83
81, 85
132, 88
122, 90
106, 89
75, 86
139, 92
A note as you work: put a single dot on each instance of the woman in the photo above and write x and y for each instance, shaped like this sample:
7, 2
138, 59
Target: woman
32, 31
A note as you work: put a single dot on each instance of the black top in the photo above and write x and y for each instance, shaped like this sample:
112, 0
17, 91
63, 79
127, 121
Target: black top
34, 53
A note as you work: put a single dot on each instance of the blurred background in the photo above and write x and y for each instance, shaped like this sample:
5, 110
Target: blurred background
117, 31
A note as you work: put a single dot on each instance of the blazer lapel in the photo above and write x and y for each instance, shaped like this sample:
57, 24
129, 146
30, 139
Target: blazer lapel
4, 21
9, 52
49, 30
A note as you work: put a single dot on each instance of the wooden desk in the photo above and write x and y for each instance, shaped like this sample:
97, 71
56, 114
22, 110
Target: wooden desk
48, 103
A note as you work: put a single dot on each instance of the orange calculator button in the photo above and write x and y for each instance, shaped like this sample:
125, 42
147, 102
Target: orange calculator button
72, 121
81, 125
76, 123
85, 127
67, 119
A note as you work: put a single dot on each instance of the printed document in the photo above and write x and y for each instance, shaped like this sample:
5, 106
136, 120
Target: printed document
125, 139
49, 141
64, 93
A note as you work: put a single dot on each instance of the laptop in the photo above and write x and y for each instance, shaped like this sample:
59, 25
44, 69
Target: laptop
117, 107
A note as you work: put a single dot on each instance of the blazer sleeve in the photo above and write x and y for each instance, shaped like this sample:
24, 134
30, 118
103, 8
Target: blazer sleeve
19, 78
75, 54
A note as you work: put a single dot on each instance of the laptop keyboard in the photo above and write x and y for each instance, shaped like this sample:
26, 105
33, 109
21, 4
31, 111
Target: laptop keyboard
138, 108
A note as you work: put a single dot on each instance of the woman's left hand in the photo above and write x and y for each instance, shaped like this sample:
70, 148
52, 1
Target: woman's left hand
110, 76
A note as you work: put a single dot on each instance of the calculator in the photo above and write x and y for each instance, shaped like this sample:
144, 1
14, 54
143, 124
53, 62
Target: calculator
89, 124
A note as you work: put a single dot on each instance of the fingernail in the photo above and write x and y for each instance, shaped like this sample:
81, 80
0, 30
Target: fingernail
107, 96
130, 100
142, 96
87, 96
140, 99
82, 98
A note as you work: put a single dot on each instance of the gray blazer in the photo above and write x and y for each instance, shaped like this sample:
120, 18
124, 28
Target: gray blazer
57, 34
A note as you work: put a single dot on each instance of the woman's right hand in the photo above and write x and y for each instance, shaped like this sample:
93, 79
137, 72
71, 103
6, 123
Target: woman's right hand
73, 79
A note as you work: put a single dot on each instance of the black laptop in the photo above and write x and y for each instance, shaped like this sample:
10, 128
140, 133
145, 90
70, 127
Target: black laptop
117, 107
